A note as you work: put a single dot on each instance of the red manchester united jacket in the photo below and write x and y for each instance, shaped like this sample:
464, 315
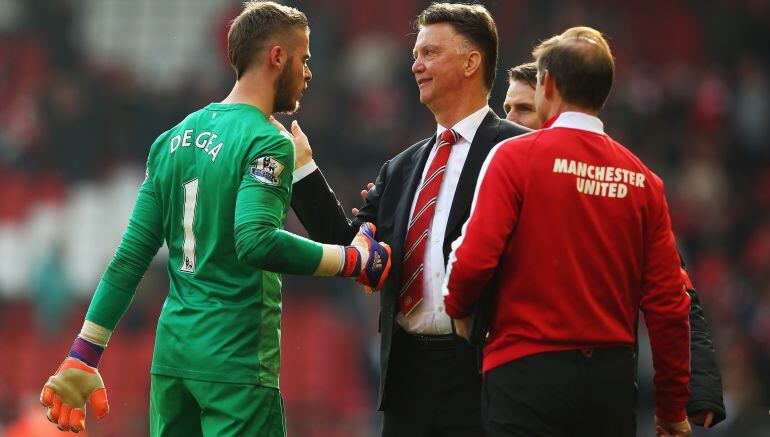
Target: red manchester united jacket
579, 232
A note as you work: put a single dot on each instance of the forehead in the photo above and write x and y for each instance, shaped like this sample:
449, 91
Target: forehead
437, 34
520, 91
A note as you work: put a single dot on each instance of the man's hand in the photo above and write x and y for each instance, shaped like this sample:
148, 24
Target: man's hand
375, 258
664, 428
303, 154
369, 186
66, 392
702, 418
462, 327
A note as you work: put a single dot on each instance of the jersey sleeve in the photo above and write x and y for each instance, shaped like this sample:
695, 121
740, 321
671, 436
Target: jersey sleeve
666, 308
494, 215
263, 199
140, 243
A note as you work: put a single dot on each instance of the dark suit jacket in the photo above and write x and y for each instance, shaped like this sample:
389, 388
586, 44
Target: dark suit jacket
705, 377
388, 205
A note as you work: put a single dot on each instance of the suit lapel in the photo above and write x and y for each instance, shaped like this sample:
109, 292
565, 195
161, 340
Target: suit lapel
411, 175
483, 142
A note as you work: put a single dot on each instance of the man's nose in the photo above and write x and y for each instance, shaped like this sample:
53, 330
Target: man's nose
417, 66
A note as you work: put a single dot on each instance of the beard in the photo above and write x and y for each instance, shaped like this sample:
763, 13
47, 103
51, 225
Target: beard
287, 97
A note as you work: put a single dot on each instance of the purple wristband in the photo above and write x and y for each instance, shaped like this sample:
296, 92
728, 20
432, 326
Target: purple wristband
87, 352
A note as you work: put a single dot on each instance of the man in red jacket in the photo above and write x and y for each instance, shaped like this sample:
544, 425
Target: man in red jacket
576, 230
706, 406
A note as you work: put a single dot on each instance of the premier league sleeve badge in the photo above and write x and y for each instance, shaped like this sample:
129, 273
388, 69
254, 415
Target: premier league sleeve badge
267, 170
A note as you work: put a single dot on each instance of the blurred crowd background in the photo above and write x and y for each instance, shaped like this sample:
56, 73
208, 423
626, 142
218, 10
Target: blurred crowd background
86, 86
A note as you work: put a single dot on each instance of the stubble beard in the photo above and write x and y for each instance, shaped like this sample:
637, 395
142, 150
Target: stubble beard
286, 99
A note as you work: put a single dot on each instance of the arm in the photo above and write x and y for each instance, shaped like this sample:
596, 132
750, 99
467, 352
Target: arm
314, 201
261, 204
494, 214
319, 211
140, 243
706, 379
259, 239
369, 212
666, 307
77, 381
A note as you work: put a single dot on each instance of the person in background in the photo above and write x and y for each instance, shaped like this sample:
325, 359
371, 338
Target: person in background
519, 105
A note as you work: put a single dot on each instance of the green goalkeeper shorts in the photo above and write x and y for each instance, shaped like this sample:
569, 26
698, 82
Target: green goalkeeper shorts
187, 407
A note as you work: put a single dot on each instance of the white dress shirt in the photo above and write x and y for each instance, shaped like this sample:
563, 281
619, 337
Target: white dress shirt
429, 317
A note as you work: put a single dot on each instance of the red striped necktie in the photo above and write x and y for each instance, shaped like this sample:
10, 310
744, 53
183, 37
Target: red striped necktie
417, 231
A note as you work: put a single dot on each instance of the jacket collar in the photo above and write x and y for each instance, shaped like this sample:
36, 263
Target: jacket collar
577, 120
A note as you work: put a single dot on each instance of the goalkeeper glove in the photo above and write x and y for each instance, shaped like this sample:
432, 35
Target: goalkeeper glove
366, 259
75, 382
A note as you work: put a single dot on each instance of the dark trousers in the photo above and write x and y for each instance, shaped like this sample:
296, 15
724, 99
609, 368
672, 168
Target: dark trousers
570, 393
433, 388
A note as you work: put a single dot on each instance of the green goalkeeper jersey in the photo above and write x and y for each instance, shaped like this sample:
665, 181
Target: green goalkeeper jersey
217, 189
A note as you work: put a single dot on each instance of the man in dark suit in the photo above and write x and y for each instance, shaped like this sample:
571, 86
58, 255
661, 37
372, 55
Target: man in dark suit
430, 384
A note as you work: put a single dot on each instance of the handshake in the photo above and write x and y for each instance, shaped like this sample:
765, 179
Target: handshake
366, 259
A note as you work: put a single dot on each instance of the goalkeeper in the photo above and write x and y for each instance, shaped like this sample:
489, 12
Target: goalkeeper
217, 189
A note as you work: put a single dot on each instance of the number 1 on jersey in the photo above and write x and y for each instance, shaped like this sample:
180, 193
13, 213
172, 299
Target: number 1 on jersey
188, 219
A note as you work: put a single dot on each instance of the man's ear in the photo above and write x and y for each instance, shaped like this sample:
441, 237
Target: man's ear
472, 63
549, 84
278, 57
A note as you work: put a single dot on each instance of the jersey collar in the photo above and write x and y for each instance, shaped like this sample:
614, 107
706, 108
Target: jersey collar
577, 120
